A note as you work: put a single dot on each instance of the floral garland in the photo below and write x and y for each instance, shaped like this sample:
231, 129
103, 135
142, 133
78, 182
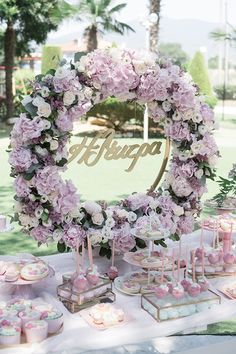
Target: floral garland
49, 209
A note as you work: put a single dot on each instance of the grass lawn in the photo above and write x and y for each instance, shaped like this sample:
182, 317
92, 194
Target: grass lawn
107, 181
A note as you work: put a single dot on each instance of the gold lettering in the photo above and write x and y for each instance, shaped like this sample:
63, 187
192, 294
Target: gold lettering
91, 153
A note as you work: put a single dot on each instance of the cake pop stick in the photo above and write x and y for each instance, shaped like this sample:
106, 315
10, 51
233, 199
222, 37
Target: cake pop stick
162, 269
178, 262
217, 235
90, 254
186, 261
77, 257
173, 263
113, 253
231, 238
201, 239
203, 262
82, 263
193, 267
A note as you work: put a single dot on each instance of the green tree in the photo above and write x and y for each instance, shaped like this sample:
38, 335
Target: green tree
221, 35
174, 52
198, 70
26, 22
50, 58
101, 15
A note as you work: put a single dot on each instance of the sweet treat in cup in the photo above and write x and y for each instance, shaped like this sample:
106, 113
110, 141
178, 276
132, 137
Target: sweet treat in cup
54, 318
36, 331
10, 335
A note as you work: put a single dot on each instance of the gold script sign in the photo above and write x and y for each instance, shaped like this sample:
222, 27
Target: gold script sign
90, 152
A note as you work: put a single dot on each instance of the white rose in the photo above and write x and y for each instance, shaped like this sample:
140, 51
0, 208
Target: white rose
81, 64
80, 95
196, 147
197, 118
44, 199
57, 235
106, 233
92, 207
54, 145
199, 173
95, 238
41, 151
47, 138
44, 109
25, 220
97, 218
38, 212
68, 98
47, 124
166, 106
68, 219
61, 73
202, 129
122, 213
110, 222
26, 100
176, 116
38, 100
77, 214
187, 115
45, 91
132, 216
139, 66
88, 92
178, 210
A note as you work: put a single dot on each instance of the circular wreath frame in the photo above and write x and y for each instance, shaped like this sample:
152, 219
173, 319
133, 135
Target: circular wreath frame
49, 209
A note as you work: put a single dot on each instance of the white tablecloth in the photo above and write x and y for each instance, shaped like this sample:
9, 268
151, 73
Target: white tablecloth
78, 334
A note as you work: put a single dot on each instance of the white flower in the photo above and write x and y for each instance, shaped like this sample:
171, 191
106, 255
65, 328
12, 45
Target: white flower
38, 212
44, 109
122, 213
47, 138
77, 214
178, 210
153, 203
26, 100
47, 223
81, 64
47, 124
95, 237
54, 145
202, 129
196, 147
45, 91
197, 118
184, 155
187, 115
44, 199
68, 98
68, 219
32, 197
48, 77
88, 92
106, 233
41, 151
92, 207
97, 218
38, 100
110, 222
166, 106
199, 173
176, 116
132, 216
28, 221
61, 73
57, 235
80, 95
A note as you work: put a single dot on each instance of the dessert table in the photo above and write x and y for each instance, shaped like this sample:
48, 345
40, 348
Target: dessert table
78, 336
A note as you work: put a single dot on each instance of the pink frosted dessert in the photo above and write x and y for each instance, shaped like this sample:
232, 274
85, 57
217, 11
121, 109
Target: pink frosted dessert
112, 273
229, 258
36, 331
10, 321
186, 282
28, 315
92, 276
178, 291
204, 284
54, 318
161, 291
170, 286
10, 335
213, 258
194, 289
80, 283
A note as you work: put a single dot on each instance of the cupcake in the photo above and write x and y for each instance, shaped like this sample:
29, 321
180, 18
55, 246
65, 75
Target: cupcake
10, 321
28, 315
54, 318
10, 335
36, 331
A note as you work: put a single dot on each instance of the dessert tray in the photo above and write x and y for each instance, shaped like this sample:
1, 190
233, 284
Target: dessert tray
113, 316
148, 236
144, 282
142, 259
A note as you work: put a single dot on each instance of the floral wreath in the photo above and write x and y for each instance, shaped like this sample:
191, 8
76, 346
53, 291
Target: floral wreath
49, 209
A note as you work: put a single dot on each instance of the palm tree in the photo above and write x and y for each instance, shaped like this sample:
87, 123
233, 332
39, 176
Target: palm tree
101, 17
220, 35
154, 8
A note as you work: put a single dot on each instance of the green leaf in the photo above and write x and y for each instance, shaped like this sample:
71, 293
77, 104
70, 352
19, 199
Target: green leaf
44, 216
31, 109
62, 162
61, 247
51, 72
78, 56
140, 243
103, 252
28, 176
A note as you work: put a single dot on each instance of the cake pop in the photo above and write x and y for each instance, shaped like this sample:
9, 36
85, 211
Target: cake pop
92, 276
186, 282
80, 282
161, 291
112, 272
194, 289
229, 258
199, 253
213, 257
204, 284
178, 291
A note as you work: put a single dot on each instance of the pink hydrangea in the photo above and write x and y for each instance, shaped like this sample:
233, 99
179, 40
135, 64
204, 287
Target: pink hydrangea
124, 241
153, 87
64, 122
184, 169
138, 200
156, 112
21, 159
26, 129
74, 236
177, 131
167, 223
181, 187
41, 234
207, 113
67, 199
185, 224
21, 187
165, 203
47, 180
